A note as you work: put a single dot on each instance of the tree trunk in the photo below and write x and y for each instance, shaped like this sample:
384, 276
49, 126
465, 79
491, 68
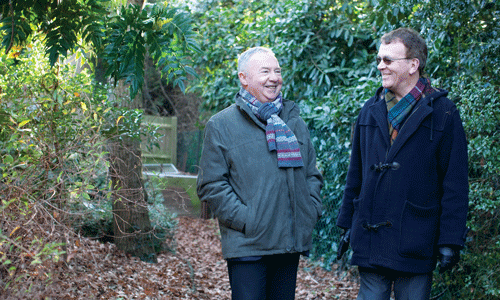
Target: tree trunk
131, 224
132, 228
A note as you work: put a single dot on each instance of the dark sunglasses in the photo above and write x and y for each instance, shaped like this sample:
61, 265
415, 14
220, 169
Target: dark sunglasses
387, 60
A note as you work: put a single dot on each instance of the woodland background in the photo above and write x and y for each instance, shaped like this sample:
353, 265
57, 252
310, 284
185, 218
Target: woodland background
77, 76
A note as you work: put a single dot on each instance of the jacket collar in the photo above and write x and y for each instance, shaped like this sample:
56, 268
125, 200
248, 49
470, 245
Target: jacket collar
422, 109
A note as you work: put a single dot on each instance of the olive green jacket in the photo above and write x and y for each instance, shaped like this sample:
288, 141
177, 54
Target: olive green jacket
261, 209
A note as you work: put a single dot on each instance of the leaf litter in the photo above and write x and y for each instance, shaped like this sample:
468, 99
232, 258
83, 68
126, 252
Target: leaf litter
195, 269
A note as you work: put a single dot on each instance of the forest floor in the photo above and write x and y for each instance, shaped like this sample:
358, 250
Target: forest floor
195, 269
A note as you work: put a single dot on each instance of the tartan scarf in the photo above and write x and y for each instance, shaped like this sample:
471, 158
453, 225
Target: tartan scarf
278, 134
398, 111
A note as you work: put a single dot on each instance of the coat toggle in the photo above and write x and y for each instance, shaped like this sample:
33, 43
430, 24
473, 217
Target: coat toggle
380, 166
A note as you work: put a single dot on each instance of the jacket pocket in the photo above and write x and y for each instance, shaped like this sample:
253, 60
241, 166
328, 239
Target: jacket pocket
250, 224
306, 218
418, 231
359, 241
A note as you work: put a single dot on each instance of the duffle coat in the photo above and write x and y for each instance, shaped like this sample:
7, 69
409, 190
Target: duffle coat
261, 209
403, 201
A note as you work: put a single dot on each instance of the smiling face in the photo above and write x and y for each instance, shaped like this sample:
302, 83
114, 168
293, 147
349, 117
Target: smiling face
400, 75
262, 77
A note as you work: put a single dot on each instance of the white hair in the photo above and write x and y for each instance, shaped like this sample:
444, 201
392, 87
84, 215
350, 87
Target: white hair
244, 57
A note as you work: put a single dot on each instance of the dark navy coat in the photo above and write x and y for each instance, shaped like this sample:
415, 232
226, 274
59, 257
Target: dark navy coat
403, 201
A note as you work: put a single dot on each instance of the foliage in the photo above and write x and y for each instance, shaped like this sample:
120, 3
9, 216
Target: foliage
163, 33
478, 274
463, 37
226, 32
54, 126
162, 219
66, 24
331, 121
122, 39
55, 121
316, 44
322, 47
50, 150
467, 42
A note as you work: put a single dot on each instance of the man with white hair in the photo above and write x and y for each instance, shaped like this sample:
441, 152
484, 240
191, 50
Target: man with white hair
258, 177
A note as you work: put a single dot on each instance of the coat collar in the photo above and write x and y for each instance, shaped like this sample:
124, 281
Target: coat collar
422, 109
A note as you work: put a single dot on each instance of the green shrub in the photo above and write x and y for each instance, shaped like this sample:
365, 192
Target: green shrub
162, 220
54, 126
331, 122
478, 273
50, 148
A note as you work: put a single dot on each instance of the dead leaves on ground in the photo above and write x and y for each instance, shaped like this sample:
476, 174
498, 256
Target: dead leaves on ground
195, 270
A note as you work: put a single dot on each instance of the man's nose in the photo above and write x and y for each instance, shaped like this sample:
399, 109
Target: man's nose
381, 65
274, 76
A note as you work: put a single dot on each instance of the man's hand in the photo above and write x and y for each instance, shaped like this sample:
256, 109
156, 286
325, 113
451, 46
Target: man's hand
448, 258
345, 238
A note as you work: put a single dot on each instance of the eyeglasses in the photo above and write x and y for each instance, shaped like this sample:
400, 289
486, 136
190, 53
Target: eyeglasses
388, 60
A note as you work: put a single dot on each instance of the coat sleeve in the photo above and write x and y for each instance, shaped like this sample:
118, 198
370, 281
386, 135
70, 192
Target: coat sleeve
455, 201
213, 182
353, 182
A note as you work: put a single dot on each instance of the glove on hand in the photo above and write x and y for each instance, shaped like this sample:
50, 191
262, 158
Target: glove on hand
448, 258
345, 238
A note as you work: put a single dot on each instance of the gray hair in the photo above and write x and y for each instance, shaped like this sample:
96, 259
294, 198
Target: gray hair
244, 57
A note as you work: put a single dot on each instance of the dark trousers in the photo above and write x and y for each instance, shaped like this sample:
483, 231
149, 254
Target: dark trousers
273, 277
377, 285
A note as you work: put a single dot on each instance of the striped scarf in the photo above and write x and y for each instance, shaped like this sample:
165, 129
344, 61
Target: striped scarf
399, 110
278, 134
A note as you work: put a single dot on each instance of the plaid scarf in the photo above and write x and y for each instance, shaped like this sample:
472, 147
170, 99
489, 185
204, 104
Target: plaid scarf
398, 111
278, 134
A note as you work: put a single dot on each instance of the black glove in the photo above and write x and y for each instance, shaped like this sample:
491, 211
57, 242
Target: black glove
345, 238
448, 258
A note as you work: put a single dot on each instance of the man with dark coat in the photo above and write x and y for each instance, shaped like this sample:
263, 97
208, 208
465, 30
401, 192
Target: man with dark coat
258, 176
406, 197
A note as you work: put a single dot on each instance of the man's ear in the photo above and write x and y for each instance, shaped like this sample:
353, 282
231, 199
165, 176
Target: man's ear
415, 63
243, 78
